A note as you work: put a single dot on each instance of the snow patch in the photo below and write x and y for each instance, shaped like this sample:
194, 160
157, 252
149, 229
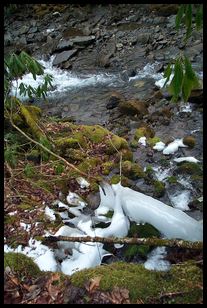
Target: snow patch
142, 140
50, 213
155, 260
181, 200
190, 159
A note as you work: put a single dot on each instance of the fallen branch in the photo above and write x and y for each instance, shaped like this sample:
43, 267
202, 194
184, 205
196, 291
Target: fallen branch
50, 240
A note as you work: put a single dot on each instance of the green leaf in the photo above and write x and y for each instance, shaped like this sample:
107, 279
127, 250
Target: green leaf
179, 16
176, 83
190, 80
188, 20
167, 73
186, 88
199, 17
190, 73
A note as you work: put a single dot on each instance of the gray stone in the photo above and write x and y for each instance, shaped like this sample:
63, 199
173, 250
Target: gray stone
30, 36
23, 40
64, 44
7, 39
143, 38
33, 30
83, 40
64, 56
23, 29
33, 23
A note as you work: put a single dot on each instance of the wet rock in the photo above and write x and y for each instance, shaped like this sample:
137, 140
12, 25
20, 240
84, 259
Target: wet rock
64, 56
64, 45
83, 40
33, 30
23, 40
143, 38
114, 100
133, 107
7, 39
23, 29
189, 141
196, 96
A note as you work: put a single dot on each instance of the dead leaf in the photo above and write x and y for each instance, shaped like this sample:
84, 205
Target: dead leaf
93, 284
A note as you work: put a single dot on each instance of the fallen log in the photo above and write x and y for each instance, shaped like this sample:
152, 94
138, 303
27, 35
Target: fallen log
52, 241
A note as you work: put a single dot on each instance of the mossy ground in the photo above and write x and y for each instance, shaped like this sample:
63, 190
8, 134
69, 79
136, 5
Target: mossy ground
147, 285
21, 264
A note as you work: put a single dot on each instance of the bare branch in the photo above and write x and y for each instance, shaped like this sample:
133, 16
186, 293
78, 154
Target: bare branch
50, 240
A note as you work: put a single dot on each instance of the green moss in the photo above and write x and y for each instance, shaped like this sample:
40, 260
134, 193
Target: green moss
189, 168
159, 189
94, 133
107, 167
153, 141
134, 144
144, 284
149, 170
109, 214
127, 155
33, 155
144, 131
31, 121
116, 179
63, 143
10, 219
39, 238
132, 171
35, 111
189, 141
172, 179
75, 154
116, 142
89, 164
133, 250
143, 231
21, 264
26, 206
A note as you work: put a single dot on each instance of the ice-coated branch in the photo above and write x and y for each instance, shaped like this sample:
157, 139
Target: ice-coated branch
52, 240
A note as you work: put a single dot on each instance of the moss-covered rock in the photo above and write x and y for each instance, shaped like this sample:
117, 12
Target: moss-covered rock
189, 141
127, 155
64, 143
134, 144
153, 141
146, 285
21, 264
132, 170
159, 189
89, 164
107, 167
75, 155
188, 168
144, 130
115, 143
